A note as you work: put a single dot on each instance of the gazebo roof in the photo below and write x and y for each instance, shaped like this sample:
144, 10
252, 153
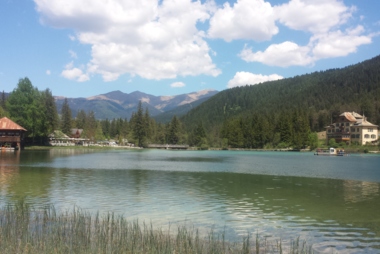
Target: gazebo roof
7, 124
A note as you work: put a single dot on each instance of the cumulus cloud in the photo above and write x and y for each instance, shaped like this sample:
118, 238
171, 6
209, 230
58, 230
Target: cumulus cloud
337, 43
315, 16
321, 18
284, 54
246, 19
73, 73
246, 78
151, 39
178, 84
163, 39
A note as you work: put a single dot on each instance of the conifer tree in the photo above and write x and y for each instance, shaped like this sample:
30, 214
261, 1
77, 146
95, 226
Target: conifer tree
66, 118
139, 128
174, 131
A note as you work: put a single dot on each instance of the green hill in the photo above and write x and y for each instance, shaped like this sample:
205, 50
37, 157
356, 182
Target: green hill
320, 94
285, 112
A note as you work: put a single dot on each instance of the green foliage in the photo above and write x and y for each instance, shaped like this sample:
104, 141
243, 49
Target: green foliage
50, 111
3, 112
332, 143
174, 130
313, 140
26, 107
198, 136
139, 126
66, 118
291, 108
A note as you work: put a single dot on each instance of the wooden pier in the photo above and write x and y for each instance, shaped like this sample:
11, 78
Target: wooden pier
169, 146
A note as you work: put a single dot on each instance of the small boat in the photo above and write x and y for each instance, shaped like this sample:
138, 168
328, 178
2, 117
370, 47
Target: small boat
330, 152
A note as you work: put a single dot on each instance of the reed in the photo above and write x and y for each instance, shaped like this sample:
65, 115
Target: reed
25, 229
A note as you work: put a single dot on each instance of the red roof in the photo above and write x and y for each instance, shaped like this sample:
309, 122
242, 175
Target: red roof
7, 124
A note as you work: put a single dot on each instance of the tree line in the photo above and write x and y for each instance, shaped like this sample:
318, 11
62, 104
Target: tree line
36, 111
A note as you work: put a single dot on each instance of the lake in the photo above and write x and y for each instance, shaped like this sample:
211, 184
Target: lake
331, 202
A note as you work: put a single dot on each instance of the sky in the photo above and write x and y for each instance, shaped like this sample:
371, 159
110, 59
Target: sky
82, 48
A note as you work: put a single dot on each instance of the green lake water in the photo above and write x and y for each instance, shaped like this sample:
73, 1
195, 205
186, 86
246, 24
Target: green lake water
331, 202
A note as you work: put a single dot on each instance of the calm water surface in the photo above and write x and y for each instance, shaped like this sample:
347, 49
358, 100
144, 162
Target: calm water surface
331, 202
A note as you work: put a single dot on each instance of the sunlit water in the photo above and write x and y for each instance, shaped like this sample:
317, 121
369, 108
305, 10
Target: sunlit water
331, 202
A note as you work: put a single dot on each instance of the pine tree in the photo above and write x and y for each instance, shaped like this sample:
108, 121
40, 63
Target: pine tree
80, 120
66, 118
50, 110
139, 128
174, 131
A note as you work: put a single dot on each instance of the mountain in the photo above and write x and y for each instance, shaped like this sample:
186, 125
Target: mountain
178, 111
117, 104
321, 95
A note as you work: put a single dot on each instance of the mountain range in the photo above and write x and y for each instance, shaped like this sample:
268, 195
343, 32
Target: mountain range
117, 104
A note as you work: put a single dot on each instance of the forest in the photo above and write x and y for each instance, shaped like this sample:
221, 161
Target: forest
279, 114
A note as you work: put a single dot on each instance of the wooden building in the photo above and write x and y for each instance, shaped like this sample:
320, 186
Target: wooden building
11, 134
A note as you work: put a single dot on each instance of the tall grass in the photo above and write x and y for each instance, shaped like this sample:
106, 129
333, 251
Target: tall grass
24, 229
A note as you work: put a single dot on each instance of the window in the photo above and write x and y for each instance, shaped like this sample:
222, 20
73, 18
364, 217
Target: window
347, 129
357, 135
347, 124
373, 136
352, 129
370, 130
329, 131
353, 136
342, 124
357, 129
366, 136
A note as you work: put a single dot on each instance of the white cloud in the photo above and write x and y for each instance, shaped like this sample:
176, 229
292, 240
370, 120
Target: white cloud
284, 54
151, 39
246, 78
246, 19
48, 72
73, 73
323, 19
336, 44
316, 16
177, 84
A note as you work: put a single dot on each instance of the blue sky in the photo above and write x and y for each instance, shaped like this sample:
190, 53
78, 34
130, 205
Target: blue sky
81, 48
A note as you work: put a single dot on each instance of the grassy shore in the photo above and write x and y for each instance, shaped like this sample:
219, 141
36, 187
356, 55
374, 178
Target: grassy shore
24, 229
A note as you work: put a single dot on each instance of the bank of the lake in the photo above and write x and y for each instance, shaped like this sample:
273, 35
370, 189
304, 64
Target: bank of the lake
331, 202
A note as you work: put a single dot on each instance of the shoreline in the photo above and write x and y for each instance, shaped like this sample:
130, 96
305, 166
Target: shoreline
356, 150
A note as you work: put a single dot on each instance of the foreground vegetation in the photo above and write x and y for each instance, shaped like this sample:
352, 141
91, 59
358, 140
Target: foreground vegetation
24, 229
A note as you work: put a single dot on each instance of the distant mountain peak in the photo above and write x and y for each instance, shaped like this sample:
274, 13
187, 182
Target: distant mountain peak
116, 104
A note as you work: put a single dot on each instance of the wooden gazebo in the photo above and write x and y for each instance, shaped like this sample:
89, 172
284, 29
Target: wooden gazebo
11, 134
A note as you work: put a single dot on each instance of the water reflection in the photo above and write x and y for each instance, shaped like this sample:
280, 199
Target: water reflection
204, 189
355, 191
9, 169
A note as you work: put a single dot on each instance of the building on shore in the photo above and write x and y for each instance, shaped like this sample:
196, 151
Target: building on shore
350, 127
11, 134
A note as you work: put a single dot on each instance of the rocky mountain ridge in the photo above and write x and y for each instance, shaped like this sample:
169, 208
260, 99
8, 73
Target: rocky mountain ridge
117, 104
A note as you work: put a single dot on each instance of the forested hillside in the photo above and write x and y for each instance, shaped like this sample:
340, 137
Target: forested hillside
313, 98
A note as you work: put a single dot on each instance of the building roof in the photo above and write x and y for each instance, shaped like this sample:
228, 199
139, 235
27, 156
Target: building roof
364, 122
351, 116
57, 134
7, 124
